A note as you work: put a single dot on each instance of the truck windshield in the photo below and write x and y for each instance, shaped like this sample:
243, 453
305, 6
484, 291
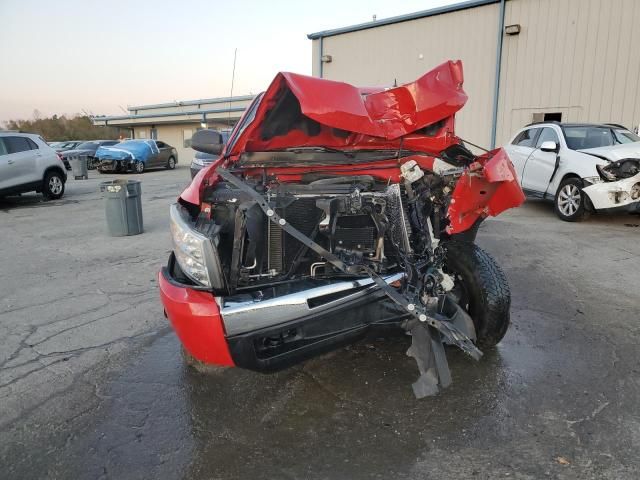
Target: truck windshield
248, 117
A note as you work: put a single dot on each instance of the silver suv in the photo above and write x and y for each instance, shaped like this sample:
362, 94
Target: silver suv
27, 164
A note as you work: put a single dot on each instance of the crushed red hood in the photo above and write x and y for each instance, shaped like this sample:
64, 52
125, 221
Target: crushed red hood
387, 113
297, 110
301, 111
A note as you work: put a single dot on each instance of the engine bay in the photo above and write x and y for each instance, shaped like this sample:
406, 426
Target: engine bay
359, 219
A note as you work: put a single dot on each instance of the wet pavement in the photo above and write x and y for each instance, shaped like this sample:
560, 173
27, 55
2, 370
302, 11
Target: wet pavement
92, 383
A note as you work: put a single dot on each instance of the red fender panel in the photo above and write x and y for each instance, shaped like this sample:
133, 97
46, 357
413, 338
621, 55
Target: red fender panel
196, 319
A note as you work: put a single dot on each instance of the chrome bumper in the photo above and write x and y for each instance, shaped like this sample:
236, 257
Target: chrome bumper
243, 317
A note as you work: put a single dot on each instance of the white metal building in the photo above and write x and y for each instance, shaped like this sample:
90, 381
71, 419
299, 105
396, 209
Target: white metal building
175, 122
569, 60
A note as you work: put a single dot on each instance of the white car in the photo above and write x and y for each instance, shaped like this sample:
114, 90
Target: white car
580, 167
27, 164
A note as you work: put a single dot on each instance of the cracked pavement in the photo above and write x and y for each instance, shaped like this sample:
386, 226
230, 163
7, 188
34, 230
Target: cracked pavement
92, 384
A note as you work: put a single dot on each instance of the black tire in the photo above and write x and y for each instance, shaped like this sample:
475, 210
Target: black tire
53, 185
171, 163
566, 203
481, 288
138, 167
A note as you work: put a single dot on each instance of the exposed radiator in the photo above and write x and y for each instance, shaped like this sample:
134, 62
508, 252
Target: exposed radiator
397, 214
274, 253
303, 215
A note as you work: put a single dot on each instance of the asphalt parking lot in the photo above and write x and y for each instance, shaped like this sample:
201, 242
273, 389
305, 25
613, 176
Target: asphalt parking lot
92, 383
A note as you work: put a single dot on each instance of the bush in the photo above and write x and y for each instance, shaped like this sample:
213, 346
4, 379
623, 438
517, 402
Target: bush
62, 128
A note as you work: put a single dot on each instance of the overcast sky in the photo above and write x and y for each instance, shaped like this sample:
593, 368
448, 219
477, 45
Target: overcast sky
67, 56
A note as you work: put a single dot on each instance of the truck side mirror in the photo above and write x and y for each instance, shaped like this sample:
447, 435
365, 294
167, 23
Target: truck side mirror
207, 141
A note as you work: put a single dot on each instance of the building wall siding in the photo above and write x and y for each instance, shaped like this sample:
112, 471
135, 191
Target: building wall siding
577, 57
580, 58
379, 56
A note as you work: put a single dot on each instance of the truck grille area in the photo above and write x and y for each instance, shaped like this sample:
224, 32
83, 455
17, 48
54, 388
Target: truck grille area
303, 215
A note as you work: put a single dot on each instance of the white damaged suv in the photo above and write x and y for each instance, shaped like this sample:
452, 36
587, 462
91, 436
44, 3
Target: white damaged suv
580, 167
27, 164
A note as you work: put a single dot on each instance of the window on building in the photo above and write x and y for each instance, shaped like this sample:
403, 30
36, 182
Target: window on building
553, 117
187, 133
154, 133
547, 117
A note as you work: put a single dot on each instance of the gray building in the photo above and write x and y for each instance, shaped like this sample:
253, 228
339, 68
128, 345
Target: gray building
569, 60
175, 122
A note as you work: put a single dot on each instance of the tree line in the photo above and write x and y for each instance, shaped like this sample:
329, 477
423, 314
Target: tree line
59, 128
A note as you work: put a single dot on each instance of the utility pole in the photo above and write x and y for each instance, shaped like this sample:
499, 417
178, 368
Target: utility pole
233, 77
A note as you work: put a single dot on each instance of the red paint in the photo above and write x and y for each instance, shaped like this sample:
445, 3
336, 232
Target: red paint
350, 118
487, 191
370, 118
195, 317
387, 114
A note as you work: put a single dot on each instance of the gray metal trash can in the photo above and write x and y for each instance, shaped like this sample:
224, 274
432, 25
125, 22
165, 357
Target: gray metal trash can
123, 206
79, 167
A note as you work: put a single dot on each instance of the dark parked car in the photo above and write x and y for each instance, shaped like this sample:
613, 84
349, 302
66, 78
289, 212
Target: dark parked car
86, 148
64, 146
136, 155
202, 160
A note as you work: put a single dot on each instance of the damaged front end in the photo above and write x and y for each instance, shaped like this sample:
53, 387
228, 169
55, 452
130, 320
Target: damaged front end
313, 228
620, 186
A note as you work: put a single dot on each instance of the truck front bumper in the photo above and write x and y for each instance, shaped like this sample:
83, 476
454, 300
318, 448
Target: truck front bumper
195, 317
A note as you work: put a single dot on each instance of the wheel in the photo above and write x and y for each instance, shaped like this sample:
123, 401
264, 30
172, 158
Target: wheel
138, 166
171, 163
481, 288
199, 366
570, 202
53, 186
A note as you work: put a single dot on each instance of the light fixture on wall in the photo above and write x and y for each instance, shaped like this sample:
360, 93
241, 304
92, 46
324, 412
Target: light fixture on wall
203, 124
512, 29
326, 58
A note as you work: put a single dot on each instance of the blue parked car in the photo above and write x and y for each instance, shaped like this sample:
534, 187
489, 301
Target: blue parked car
137, 156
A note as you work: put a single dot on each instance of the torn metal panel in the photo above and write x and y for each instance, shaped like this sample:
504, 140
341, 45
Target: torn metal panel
620, 193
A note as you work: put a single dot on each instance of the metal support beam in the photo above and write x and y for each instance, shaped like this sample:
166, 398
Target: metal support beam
320, 58
496, 90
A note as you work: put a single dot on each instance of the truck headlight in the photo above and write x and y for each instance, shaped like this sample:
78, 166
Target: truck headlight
198, 161
194, 251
